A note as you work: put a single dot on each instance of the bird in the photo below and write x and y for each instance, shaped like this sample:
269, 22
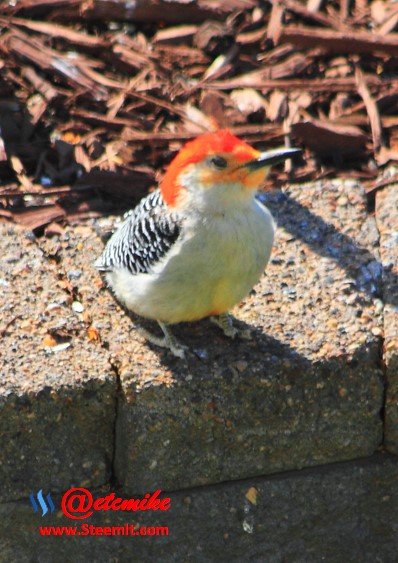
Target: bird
194, 247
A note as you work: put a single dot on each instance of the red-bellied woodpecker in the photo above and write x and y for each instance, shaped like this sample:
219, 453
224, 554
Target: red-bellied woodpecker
196, 246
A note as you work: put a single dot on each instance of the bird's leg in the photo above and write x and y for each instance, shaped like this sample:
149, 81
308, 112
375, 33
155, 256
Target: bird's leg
168, 341
171, 342
225, 322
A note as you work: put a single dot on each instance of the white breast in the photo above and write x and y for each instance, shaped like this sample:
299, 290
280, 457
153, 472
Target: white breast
214, 266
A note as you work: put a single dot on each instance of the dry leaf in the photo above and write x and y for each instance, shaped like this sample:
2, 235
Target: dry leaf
49, 340
93, 334
251, 495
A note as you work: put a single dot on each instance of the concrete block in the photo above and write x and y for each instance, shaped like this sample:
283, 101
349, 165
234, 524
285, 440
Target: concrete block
57, 392
387, 222
341, 512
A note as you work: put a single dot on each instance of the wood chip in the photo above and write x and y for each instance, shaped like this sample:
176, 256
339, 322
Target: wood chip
329, 139
371, 108
339, 41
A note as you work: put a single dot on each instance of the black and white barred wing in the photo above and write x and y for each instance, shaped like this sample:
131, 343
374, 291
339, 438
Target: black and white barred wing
146, 235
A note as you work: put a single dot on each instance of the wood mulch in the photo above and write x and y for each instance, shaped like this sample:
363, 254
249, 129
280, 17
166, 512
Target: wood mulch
96, 97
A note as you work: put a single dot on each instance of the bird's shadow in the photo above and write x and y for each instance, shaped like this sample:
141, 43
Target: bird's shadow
207, 345
326, 240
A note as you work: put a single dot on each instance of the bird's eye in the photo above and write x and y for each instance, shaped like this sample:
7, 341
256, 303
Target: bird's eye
218, 162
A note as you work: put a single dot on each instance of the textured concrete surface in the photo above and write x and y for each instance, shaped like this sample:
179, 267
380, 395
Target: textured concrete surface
387, 222
306, 390
57, 404
343, 512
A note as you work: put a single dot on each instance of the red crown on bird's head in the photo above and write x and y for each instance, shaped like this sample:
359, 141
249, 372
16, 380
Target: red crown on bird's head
217, 142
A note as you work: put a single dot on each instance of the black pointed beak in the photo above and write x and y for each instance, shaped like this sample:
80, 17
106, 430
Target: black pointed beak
269, 158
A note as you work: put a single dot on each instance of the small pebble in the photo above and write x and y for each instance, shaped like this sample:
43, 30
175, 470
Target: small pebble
74, 274
202, 354
77, 307
59, 347
241, 365
379, 306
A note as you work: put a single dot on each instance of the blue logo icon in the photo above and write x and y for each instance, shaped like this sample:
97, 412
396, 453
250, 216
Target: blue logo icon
43, 505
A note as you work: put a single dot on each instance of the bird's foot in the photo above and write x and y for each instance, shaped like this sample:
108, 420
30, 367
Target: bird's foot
168, 341
225, 322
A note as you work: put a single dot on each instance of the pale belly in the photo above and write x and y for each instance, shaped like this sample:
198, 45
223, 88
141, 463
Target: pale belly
207, 274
